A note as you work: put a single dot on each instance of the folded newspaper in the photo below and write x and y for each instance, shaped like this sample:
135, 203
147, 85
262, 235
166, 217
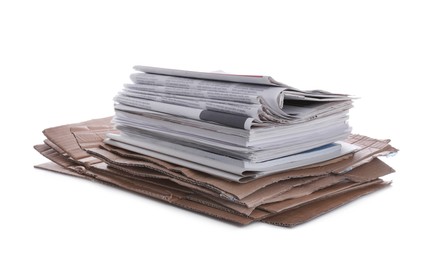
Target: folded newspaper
236, 127
232, 100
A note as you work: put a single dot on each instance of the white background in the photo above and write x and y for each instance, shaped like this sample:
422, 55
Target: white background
62, 62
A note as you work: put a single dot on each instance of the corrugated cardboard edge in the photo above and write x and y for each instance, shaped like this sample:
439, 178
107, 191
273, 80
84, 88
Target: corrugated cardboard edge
241, 191
64, 139
82, 170
80, 134
320, 207
74, 138
153, 193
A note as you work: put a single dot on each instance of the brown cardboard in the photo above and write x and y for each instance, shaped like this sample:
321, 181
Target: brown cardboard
54, 146
175, 195
90, 133
369, 171
71, 146
192, 194
281, 206
315, 209
154, 192
230, 205
63, 138
264, 195
51, 166
306, 189
276, 189
60, 159
65, 161
201, 205
151, 174
236, 207
91, 136
362, 173
375, 167
330, 182
238, 190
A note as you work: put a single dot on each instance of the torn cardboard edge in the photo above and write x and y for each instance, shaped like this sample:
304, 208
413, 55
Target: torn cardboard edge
202, 206
63, 138
60, 158
72, 145
93, 139
255, 198
229, 189
86, 136
237, 206
320, 207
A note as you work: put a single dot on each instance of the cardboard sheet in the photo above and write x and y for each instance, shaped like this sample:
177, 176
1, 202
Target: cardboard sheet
284, 199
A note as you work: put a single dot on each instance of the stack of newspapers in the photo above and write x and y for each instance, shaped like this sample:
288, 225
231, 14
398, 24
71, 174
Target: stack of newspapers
236, 147
234, 127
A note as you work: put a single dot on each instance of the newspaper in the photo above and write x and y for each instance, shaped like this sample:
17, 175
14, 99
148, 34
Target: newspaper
224, 168
252, 79
239, 140
217, 98
232, 120
232, 126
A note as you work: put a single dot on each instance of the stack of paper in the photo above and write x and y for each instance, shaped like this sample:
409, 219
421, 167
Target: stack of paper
234, 127
282, 166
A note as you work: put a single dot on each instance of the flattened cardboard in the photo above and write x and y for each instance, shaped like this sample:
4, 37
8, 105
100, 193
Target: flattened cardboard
362, 173
288, 218
53, 167
289, 192
63, 138
375, 167
89, 135
256, 198
255, 214
54, 146
62, 160
136, 171
238, 190
153, 192
315, 209
262, 195
369, 171
306, 189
